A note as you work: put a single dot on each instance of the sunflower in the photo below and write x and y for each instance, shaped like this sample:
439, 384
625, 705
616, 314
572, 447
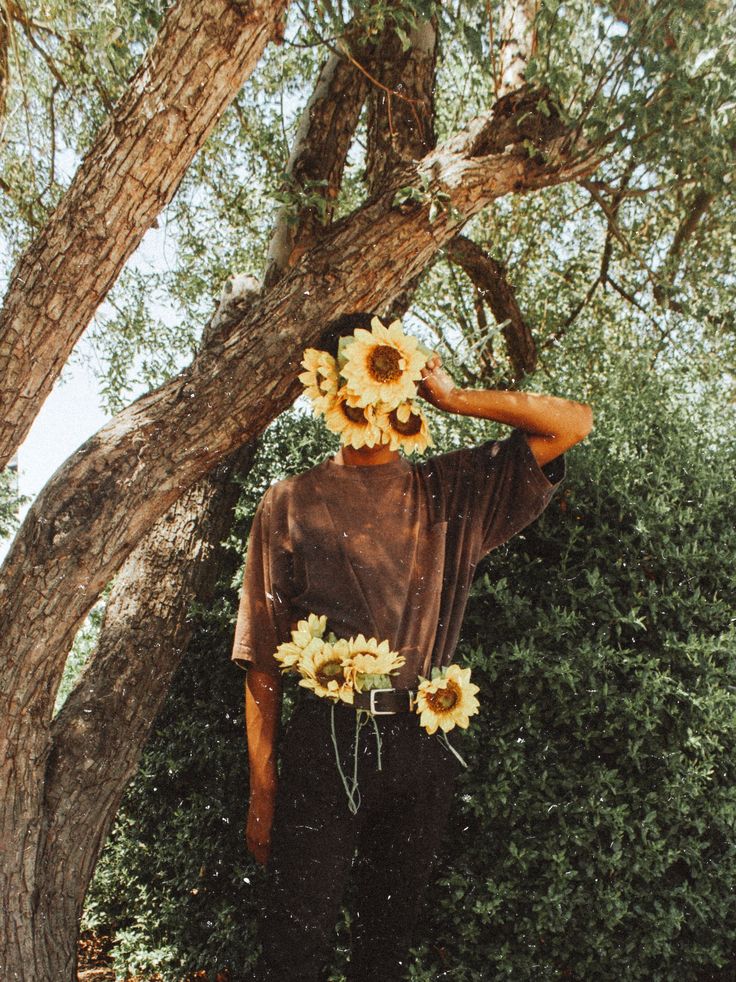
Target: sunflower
324, 670
447, 700
290, 653
355, 425
320, 378
371, 663
313, 627
383, 364
405, 426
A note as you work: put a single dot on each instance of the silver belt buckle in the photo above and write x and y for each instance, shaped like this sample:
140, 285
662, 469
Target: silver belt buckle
372, 705
390, 712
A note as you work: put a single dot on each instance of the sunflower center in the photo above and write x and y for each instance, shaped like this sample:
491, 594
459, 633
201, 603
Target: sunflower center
443, 700
354, 413
329, 671
385, 363
410, 428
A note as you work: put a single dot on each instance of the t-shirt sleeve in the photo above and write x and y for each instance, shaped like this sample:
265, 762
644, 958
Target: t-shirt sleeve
263, 612
495, 489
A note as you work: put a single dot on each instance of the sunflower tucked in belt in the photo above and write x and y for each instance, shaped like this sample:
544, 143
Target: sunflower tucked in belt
350, 669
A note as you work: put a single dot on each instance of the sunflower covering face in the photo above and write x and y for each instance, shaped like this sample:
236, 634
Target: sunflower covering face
367, 393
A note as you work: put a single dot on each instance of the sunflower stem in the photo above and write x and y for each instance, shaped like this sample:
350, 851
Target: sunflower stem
442, 737
378, 742
353, 801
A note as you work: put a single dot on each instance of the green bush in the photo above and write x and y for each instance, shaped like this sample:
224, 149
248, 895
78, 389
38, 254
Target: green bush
592, 834
594, 831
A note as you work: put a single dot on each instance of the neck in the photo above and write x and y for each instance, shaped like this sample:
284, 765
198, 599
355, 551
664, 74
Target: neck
365, 456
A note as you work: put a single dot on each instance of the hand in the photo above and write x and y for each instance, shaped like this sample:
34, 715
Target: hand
260, 821
436, 385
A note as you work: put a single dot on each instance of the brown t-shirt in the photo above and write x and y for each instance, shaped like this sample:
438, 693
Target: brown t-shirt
388, 550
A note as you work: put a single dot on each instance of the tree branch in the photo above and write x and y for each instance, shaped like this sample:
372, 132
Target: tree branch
516, 44
406, 132
201, 57
489, 278
401, 130
143, 639
5, 29
317, 161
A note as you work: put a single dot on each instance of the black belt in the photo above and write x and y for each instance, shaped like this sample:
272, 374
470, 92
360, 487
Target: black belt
383, 702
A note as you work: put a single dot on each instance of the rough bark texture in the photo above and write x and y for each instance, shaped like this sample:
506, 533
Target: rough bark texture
405, 132
489, 279
89, 752
96, 740
318, 154
199, 61
4, 66
401, 108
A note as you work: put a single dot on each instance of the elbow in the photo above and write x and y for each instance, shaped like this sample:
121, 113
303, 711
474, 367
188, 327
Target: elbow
580, 424
586, 420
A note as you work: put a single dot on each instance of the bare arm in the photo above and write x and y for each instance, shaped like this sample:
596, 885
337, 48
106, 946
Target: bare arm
552, 425
262, 716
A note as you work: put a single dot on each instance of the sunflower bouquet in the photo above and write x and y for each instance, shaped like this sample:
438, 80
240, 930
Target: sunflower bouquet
336, 668
367, 394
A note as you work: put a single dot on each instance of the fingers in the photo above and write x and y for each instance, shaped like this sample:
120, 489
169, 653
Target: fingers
434, 361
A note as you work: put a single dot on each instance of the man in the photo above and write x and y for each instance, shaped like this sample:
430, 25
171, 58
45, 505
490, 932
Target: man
387, 549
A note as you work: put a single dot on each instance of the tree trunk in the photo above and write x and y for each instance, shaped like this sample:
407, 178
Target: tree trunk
92, 747
5, 29
199, 61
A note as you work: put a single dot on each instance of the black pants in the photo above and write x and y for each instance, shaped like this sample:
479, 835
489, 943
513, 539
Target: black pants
391, 841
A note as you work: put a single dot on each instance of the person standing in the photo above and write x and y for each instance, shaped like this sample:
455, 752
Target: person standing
379, 548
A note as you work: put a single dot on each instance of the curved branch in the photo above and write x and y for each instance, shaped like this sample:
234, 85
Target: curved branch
489, 279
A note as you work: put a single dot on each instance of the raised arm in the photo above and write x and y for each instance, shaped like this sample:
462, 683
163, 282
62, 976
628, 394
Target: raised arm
262, 716
552, 425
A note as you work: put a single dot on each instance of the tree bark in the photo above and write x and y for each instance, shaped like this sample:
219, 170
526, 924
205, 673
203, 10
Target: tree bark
5, 29
92, 747
489, 278
401, 108
318, 155
96, 740
516, 44
401, 119
202, 56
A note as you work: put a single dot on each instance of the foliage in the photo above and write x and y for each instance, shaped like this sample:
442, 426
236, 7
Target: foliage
10, 502
592, 835
83, 647
621, 255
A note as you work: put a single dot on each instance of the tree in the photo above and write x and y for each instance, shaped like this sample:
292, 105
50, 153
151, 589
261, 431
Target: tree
571, 99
